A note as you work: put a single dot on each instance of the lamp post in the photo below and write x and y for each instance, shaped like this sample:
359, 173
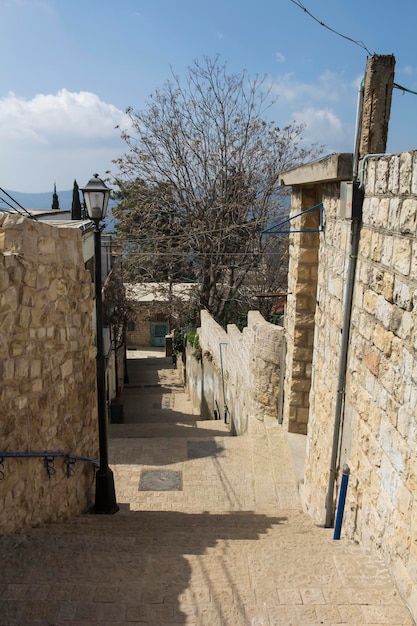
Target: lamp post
96, 197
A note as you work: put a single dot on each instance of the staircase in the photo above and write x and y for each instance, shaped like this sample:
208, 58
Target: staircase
129, 567
156, 404
210, 532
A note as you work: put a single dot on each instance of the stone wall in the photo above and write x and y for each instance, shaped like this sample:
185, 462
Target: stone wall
153, 304
47, 388
301, 305
328, 323
379, 427
139, 326
239, 372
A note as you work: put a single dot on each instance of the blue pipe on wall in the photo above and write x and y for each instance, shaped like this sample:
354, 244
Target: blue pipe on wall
341, 503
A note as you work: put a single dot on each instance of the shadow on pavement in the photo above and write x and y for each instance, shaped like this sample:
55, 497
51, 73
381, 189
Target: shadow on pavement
156, 406
134, 566
150, 395
170, 450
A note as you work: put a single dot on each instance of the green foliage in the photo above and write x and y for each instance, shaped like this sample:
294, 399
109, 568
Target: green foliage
76, 208
55, 200
198, 354
193, 339
184, 336
149, 226
179, 340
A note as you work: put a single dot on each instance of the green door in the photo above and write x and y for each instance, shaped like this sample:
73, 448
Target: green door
158, 332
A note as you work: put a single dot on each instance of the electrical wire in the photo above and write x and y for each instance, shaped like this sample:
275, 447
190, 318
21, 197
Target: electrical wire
26, 213
7, 203
180, 237
195, 255
299, 4
155, 240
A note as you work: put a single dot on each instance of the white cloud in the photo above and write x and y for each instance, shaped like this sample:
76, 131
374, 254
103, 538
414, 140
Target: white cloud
355, 84
54, 118
41, 5
320, 103
328, 87
324, 127
407, 69
58, 137
280, 57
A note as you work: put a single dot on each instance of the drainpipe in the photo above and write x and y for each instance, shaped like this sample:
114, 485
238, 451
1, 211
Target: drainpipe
359, 112
357, 203
363, 166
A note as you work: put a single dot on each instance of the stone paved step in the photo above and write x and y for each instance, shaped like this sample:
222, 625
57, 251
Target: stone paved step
225, 545
159, 568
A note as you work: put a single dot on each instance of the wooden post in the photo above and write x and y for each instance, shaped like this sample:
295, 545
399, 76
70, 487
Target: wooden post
378, 85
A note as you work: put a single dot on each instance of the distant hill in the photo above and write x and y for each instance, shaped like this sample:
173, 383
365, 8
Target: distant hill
44, 201
41, 200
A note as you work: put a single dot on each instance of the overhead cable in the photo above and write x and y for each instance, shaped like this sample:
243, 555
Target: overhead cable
299, 4
18, 206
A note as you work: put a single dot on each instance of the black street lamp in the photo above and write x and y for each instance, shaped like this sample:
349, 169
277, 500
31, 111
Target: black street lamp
96, 197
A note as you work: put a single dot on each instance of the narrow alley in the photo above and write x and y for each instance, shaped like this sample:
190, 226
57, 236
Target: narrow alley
210, 532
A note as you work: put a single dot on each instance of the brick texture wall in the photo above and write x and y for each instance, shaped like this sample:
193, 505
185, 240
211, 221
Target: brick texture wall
379, 428
245, 365
301, 305
47, 360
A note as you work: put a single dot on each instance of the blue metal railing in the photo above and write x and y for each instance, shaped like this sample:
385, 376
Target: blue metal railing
49, 459
272, 230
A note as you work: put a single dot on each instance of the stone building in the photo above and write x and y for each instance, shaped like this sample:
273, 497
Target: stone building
156, 309
351, 352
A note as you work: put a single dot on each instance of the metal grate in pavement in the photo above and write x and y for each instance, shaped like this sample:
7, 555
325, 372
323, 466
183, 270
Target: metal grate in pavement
160, 480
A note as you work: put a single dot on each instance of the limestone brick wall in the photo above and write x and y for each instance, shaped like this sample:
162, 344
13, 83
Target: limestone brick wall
194, 381
379, 429
301, 306
333, 254
47, 360
142, 316
139, 334
243, 364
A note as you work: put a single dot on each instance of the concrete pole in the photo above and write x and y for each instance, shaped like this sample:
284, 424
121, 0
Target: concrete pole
378, 85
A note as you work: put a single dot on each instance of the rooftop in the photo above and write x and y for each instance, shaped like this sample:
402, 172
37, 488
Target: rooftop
158, 292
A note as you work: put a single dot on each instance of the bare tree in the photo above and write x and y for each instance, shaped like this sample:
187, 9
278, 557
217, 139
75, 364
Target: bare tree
199, 182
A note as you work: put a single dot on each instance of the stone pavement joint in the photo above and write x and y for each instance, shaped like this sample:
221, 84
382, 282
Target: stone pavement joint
232, 548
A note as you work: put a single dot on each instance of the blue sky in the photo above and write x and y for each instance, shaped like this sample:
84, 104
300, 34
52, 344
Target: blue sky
70, 68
